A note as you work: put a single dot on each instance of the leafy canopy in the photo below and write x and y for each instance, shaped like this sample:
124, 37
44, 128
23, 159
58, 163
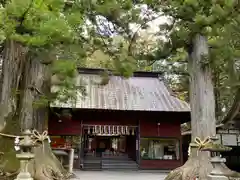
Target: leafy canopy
76, 30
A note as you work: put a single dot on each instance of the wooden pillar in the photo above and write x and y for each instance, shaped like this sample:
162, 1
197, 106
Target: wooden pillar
138, 138
71, 160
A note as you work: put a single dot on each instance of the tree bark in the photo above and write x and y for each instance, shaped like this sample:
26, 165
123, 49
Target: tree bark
12, 68
202, 99
33, 115
34, 109
24, 81
218, 110
202, 103
203, 122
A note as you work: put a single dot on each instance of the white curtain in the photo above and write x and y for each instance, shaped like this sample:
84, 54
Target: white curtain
177, 150
159, 150
156, 150
151, 150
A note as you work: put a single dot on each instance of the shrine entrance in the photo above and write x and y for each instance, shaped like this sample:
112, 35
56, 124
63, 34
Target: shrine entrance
110, 142
103, 143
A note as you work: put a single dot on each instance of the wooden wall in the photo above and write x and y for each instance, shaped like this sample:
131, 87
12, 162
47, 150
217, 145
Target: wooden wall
169, 127
160, 128
73, 127
67, 127
164, 129
169, 122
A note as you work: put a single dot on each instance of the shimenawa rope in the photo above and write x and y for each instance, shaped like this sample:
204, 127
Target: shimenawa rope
40, 137
10, 135
35, 134
199, 144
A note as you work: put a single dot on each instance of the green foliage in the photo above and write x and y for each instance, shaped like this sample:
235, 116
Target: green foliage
43, 101
78, 38
64, 68
36, 23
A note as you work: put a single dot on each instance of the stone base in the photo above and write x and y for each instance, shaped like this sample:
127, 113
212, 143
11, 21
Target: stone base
217, 177
24, 176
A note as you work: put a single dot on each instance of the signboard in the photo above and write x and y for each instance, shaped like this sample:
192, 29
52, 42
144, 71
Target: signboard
233, 131
229, 139
222, 131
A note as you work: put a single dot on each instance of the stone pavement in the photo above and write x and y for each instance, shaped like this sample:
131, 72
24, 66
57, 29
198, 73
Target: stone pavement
118, 175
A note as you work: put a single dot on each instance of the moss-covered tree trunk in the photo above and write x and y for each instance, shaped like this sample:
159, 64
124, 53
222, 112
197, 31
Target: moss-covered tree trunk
25, 83
12, 69
34, 106
34, 113
13, 63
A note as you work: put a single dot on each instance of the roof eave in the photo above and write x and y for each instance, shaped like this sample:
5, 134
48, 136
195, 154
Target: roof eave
96, 71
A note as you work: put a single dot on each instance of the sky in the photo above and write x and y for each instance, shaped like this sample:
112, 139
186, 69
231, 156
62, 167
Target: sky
106, 28
153, 25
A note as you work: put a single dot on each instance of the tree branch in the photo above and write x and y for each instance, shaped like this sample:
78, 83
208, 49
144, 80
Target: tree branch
234, 109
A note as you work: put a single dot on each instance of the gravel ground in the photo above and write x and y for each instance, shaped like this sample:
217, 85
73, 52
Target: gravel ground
111, 175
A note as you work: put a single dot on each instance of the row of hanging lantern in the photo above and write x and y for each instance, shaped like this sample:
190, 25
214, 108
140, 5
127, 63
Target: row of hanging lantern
110, 130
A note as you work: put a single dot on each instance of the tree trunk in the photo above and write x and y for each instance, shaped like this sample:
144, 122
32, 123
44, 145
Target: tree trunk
218, 109
202, 99
34, 108
202, 103
203, 122
34, 112
12, 68
24, 82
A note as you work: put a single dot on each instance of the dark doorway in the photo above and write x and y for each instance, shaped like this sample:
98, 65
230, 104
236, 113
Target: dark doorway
102, 144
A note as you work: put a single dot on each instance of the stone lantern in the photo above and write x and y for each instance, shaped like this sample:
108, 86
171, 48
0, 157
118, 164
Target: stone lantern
26, 144
216, 159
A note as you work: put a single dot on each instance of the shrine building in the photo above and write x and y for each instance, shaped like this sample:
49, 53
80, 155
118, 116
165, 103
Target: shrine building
127, 123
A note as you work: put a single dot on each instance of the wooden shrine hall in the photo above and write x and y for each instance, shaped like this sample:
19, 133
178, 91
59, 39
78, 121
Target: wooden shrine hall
128, 123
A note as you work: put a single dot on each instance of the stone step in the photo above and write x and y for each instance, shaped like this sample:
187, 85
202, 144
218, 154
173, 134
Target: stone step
118, 162
120, 166
93, 159
92, 166
108, 158
116, 157
122, 162
91, 162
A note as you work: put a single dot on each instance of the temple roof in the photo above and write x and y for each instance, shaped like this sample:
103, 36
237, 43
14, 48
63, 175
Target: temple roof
142, 92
